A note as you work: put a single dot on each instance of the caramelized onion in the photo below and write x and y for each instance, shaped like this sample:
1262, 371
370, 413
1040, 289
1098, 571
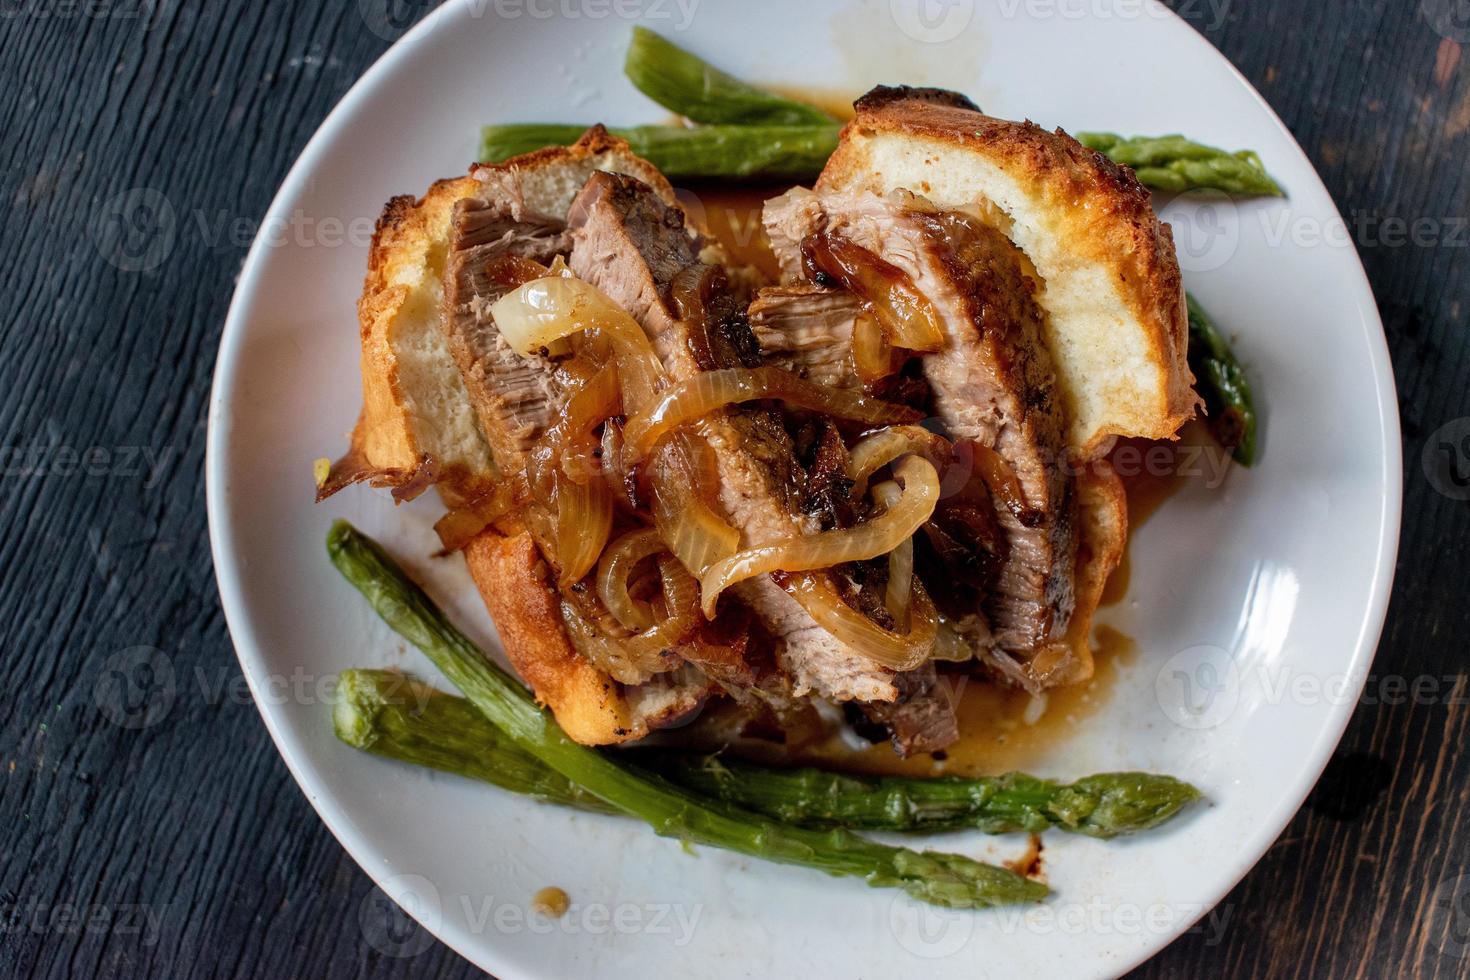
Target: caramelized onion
710, 390
718, 333
906, 314
877, 450
873, 358
952, 646
617, 656
900, 560
900, 651
875, 537
681, 592
577, 445
547, 309
616, 472
584, 513
683, 470
614, 571
634, 659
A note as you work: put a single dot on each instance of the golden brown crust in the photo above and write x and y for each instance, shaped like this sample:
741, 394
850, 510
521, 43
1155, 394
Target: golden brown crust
385, 449
590, 706
597, 141
1105, 214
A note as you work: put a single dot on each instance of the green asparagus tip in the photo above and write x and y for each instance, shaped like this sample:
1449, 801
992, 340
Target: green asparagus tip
1175, 163
1108, 804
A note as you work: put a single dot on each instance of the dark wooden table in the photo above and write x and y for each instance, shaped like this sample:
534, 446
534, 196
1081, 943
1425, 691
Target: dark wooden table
183, 848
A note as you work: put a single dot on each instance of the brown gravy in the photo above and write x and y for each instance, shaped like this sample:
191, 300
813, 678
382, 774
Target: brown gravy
1148, 491
1000, 729
836, 102
731, 213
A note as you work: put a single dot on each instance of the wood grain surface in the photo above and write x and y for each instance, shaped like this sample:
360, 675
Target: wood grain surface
149, 828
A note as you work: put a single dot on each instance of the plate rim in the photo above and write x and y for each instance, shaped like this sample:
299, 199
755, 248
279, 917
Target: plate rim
338, 820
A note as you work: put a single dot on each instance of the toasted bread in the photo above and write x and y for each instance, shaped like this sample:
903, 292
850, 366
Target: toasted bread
417, 425
1111, 283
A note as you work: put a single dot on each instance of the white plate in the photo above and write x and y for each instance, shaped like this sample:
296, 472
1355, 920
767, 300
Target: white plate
1269, 590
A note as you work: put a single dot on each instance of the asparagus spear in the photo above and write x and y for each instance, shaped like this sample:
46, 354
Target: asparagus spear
1170, 163
393, 715
1222, 384
1174, 163
736, 152
1104, 805
942, 879
697, 90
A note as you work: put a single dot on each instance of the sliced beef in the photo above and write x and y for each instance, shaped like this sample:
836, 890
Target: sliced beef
824, 456
991, 383
807, 329
516, 398
715, 317
922, 718
633, 246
